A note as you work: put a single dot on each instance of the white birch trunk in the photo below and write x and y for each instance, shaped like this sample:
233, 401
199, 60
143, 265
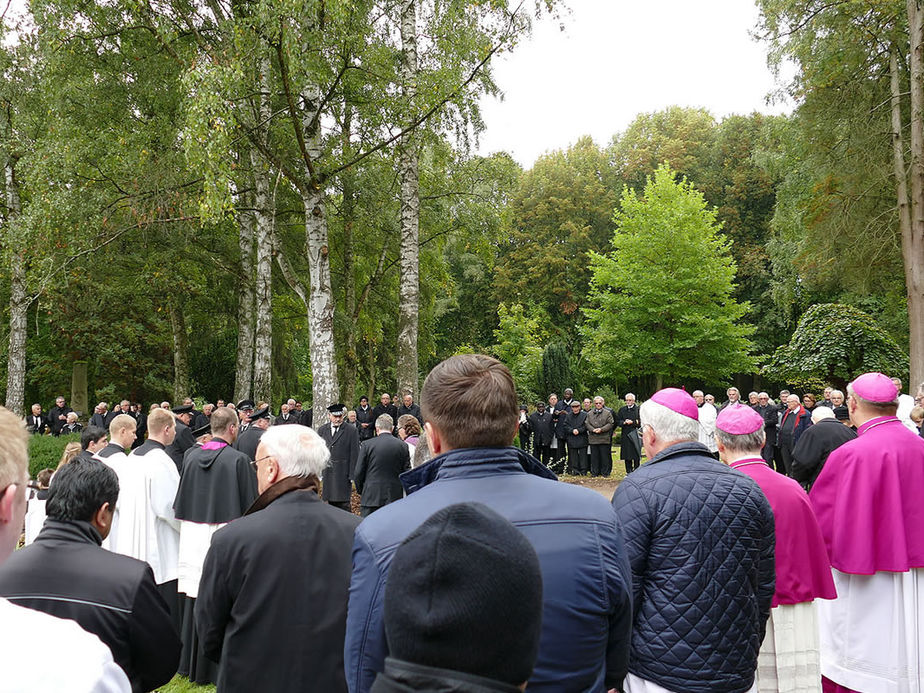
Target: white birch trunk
263, 343
243, 374
409, 253
913, 237
325, 388
19, 303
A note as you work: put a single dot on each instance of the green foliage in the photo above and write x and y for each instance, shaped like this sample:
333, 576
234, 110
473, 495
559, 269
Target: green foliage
46, 451
555, 374
662, 299
180, 684
518, 347
833, 344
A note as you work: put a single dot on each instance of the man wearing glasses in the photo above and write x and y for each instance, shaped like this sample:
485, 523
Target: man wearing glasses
343, 442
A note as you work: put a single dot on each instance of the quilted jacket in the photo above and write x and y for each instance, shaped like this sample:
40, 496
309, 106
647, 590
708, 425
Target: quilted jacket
700, 539
587, 615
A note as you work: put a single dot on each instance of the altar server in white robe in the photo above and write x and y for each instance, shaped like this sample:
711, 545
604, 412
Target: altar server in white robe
121, 436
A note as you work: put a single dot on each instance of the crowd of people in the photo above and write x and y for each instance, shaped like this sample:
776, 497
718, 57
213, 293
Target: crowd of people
230, 550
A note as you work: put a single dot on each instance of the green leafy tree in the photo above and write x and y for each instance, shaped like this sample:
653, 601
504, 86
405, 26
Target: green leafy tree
661, 301
833, 344
519, 348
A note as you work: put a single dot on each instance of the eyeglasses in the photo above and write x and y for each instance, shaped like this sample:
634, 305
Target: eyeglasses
254, 463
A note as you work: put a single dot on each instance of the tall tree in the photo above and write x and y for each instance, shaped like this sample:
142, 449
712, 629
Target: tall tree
662, 298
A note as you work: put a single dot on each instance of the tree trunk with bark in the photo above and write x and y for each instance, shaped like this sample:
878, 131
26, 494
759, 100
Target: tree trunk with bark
180, 353
243, 375
263, 232
348, 209
409, 284
913, 234
325, 388
19, 300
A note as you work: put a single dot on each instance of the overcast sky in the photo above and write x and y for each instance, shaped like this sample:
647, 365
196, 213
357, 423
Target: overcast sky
616, 59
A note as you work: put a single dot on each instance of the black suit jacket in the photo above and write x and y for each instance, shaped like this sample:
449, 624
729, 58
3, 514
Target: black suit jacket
365, 417
183, 440
381, 460
344, 450
248, 441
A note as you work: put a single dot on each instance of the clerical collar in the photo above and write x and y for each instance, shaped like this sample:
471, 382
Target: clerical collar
747, 461
878, 421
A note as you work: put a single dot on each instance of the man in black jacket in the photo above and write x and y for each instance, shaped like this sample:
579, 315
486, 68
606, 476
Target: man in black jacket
65, 573
385, 407
381, 460
409, 407
57, 417
543, 430
816, 443
184, 438
273, 595
576, 432
343, 442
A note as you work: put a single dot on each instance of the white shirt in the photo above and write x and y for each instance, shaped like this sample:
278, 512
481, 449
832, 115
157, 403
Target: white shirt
148, 529
44, 654
905, 405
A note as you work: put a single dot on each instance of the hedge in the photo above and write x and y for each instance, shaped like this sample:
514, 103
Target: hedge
46, 451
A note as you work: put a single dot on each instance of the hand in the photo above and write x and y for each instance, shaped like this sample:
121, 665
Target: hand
596, 430
575, 431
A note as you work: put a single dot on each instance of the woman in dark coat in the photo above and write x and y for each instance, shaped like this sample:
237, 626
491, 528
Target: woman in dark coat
576, 439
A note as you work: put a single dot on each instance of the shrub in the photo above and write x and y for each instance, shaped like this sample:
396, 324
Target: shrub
46, 451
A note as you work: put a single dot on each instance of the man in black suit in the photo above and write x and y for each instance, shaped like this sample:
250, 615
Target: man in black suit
386, 407
57, 417
409, 407
36, 422
381, 461
343, 442
184, 438
248, 440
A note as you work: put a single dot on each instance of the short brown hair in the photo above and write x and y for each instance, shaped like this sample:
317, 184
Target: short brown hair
222, 419
160, 419
121, 422
472, 401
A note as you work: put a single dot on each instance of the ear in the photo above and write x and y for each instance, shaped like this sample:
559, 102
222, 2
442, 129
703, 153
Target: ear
102, 520
7, 499
434, 440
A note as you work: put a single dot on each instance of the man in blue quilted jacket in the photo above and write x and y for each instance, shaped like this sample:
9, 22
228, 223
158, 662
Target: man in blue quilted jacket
471, 411
700, 538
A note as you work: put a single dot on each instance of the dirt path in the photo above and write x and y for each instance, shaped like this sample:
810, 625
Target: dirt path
604, 486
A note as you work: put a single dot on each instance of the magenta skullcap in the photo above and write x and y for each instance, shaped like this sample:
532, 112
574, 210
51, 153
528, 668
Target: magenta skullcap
739, 420
875, 387
677, 400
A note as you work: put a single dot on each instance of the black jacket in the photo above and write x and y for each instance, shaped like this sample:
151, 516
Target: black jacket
344, 451
65, 573
54, 422
542, 427
273, 597
216, 486
413, 410
574, 421
378, 410
364, 416
381, 460
36, 424
183, 440
814, 446
248, 441
404, 677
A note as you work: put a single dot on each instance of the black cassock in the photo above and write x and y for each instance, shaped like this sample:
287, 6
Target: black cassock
344, 450
630, 448
364, 416
248, 441
216, 486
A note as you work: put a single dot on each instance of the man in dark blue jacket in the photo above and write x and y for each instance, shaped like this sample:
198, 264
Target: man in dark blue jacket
470, 407
700, 538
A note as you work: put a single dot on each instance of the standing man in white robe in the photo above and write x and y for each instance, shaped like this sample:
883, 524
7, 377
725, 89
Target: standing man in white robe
121, 436
148, 529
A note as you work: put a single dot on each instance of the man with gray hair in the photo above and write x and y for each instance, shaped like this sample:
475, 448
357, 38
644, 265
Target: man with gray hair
700, 539
381, 460
288, 543
707, 414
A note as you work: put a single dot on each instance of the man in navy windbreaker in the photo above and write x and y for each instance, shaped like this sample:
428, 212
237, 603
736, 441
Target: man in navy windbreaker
470, 406
700, 537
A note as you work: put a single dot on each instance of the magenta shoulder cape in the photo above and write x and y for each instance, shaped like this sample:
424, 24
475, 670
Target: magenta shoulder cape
803, 572
869, 500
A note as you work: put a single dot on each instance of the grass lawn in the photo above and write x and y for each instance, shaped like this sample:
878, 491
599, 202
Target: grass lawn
180, 684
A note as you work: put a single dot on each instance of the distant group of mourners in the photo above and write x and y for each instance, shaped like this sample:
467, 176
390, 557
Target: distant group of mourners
230, 548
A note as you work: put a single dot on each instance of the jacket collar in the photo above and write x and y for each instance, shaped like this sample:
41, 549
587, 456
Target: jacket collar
681, 449
281, 488
466, 461
75, 531
407, 676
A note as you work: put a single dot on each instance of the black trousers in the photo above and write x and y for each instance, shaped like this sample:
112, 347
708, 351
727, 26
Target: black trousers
543, 453
601, 459
632, 465
559, 452
786, 454
343, 505
526, 442
577, 460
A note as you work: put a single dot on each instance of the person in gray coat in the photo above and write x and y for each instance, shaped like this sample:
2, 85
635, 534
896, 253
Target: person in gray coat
600, 424
381, 460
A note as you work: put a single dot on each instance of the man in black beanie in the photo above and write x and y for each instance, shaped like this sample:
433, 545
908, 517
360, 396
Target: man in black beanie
466, 613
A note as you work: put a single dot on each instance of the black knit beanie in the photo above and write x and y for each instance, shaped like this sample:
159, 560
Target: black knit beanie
464, 593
